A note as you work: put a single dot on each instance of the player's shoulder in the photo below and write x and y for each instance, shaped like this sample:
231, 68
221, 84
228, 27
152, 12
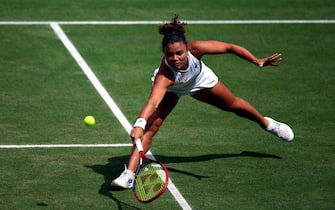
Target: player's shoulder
165, 72
194, 45
197, 47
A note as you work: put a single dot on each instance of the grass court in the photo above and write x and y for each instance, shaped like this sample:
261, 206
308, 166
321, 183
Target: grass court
215, 159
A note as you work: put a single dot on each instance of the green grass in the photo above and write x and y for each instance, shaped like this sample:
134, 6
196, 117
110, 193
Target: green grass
216, 160
160, 10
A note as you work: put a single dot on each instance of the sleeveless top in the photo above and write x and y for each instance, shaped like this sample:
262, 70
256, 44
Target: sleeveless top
196, 77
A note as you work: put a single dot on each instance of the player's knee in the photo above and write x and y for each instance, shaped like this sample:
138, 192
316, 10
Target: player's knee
156, 124
234, 104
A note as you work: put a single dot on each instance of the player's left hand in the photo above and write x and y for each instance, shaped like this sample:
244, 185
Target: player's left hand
269, 61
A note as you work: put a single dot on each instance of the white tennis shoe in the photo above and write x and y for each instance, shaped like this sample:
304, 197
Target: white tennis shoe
125, 180
280, 129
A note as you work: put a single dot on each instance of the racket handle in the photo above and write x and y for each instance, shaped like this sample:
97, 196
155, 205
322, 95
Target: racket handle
139, 145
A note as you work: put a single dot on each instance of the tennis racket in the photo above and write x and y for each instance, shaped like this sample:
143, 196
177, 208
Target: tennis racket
151, 177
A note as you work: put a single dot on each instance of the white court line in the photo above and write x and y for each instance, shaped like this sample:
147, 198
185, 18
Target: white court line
110, 102
91, 76
22, 146
318, 21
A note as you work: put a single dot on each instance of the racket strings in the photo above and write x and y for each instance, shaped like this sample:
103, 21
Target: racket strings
150, 181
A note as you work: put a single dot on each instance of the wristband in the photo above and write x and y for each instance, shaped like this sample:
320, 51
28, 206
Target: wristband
140, 122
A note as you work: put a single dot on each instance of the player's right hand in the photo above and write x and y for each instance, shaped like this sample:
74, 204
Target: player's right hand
136, 133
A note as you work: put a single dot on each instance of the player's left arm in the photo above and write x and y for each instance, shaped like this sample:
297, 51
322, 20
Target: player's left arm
200, 48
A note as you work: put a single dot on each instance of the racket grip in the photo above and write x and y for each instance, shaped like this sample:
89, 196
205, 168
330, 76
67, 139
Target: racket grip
139, 145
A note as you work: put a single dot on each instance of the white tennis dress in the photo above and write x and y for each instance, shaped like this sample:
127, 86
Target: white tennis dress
196, 77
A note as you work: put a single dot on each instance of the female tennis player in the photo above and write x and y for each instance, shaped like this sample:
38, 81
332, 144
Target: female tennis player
182, 72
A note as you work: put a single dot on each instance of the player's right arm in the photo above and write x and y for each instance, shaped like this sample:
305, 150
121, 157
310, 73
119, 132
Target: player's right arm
163, 80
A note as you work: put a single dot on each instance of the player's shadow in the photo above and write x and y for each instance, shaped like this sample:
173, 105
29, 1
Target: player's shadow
114, 167
200, 158
109, 171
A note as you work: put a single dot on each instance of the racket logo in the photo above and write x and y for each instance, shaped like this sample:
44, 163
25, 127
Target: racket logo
151, 182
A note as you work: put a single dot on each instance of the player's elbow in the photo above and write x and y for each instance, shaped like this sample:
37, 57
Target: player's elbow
232, 48
153, 104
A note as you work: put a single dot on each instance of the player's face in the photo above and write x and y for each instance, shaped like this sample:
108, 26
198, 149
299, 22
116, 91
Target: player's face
176, 55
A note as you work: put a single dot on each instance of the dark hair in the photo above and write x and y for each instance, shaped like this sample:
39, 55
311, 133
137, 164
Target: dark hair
173, 32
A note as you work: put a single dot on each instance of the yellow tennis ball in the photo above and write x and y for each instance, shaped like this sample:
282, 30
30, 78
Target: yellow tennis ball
89, 120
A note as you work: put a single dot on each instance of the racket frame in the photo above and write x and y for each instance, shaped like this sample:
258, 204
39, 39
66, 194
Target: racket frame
142, 156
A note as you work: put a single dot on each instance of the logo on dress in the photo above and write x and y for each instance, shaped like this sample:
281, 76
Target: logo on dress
180, 77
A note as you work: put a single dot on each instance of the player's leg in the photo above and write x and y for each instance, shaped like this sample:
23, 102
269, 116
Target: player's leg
126, 178
220, 96
154, 123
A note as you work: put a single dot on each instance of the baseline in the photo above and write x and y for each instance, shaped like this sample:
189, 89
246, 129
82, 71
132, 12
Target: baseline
318, 21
